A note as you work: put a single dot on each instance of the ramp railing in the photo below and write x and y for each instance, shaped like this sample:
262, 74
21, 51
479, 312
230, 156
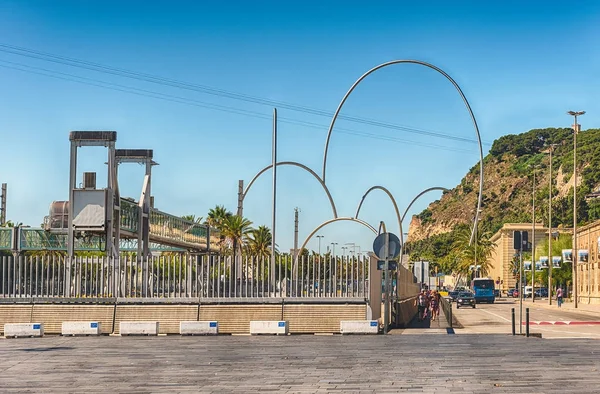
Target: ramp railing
447, 309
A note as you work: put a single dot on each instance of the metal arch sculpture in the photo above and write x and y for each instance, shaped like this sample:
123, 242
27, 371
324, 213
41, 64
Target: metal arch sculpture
296, 164
420, 194
449, 78
393, 202
325, 223
427, 191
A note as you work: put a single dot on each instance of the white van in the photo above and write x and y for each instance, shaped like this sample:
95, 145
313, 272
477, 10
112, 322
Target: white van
527, 292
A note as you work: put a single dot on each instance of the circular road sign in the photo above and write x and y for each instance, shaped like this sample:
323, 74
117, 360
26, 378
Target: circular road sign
393, 250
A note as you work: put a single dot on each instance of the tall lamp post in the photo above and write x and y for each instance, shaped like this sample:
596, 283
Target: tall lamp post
333, 248
550, 263
320, 236
533, 238
575, 114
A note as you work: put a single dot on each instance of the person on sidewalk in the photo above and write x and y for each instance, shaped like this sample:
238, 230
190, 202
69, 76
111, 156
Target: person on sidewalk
559, 297
422, 304
435, 305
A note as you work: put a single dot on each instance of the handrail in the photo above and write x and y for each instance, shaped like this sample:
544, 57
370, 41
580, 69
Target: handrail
447, 309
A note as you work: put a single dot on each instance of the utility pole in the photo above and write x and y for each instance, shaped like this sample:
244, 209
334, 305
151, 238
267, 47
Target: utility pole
3, 205
240, 207
575, 254
551, 263
296, 210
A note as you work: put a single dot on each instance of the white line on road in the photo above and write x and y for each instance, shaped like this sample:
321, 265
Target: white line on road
498, 316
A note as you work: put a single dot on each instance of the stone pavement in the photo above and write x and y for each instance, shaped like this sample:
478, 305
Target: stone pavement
307, 364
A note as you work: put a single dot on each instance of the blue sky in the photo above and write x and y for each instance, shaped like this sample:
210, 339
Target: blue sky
520, 65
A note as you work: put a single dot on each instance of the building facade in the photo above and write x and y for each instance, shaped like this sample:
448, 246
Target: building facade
588, 273
501, 259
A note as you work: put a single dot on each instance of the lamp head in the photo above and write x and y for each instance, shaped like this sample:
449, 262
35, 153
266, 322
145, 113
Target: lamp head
576, 113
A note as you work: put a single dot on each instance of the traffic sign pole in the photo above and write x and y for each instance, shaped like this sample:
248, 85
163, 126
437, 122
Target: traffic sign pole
386, 314
386, 246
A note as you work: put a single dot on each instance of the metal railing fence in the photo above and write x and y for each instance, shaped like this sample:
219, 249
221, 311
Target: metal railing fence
447, 309
183, 276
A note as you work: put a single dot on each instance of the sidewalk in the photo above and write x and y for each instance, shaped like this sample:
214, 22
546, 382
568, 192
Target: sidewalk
439, 323
569, 305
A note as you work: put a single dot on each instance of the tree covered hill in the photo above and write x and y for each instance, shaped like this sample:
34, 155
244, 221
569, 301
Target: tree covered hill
508, 188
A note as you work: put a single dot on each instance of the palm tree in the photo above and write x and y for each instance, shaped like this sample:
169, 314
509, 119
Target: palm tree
481, 246
259, 241
236, 229
193, 218
217, 217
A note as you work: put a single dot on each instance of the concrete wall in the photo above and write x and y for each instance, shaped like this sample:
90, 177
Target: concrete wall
232, 318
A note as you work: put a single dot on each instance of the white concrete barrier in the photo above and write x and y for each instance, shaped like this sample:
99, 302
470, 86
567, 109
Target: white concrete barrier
138, 328
15, 330
268, 327
198, 328
359, 327
80, 328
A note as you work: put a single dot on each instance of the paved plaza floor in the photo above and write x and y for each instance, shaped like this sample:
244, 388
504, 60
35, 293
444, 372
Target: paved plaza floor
443, 363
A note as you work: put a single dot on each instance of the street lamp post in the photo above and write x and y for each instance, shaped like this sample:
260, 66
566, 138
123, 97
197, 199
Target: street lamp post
550, 263
575, 114
320, 236
333, 248
533, 238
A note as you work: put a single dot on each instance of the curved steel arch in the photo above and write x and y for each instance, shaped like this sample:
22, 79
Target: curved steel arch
420, 194
449, 78
427, 191
393, 202
293, 163
325, 223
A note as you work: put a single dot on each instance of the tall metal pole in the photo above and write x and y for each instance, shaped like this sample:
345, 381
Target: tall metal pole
589, 286
550, 263
274, 155
386, 314
521, 288
295, 233
575, 254
533, 240
320, 236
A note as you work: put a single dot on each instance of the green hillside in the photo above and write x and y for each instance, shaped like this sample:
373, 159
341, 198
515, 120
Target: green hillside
508, 187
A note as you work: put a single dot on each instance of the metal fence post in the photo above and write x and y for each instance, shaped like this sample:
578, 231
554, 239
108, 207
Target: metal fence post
527, 322
513, 320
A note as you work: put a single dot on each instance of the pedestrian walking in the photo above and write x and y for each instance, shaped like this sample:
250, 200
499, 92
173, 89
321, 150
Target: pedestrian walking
422, 303
435, 305
559, 297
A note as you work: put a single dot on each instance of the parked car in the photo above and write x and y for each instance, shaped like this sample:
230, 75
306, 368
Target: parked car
543, 292
465, 299
511, 293
453, 295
